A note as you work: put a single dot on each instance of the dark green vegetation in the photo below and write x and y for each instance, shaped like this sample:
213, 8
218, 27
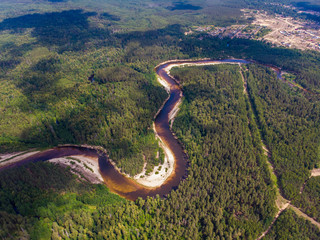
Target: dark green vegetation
69, 30
136, 15
48, 49
221, 198
37, 198
313, 6
264, 31
308, 6
303, 64
183, 6
308, 201
290, 226
115, 113
224, 149
288, 8
290, 124
46, 59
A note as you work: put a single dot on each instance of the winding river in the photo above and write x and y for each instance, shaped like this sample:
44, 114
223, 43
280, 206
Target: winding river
119, 183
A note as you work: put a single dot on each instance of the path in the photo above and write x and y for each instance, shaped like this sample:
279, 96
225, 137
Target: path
281, 202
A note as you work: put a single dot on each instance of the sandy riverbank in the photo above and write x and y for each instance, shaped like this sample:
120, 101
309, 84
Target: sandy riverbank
189, 64
83, 166
10, 158
174, 112
161, 172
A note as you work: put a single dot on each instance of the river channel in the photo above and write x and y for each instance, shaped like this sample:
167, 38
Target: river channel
121, 184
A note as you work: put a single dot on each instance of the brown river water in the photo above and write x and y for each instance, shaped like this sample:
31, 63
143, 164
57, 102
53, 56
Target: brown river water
119, 183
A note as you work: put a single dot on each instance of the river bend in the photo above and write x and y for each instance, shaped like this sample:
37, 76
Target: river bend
121, 184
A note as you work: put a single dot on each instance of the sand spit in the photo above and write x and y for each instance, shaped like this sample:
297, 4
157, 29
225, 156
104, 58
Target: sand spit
175, 111
161, 172
83, 166
10, 158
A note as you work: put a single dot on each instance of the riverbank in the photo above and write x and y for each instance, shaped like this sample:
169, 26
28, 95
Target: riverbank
164, 177
10, 158
161, 172
85, 167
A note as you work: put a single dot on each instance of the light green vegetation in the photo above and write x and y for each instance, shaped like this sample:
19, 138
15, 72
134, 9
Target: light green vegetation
262, 32
34, 199
291, 78
289, 123
47, 53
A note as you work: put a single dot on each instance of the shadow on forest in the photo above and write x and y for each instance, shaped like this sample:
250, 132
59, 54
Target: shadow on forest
82, 124
85, 121
39, 185
307, 6
183, 6
39, 85
69, 30
163, 36
111, 17
11, 54
57, 1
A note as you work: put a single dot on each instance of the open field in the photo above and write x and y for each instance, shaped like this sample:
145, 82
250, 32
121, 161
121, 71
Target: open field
276, 29
288, 32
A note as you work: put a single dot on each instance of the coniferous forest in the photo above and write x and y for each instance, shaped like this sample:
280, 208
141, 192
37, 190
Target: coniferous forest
82, 72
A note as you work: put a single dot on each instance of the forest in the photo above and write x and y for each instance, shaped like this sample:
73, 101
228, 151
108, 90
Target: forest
289, 124
221, 198
290, 226
228, 193
34, 197
49, 50
308, 200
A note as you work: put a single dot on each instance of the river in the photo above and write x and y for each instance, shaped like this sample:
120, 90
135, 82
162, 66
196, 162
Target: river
121, 184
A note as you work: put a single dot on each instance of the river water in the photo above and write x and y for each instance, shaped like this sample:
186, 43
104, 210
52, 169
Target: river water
119, 183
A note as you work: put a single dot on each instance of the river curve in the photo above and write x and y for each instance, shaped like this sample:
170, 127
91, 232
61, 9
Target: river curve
121, 184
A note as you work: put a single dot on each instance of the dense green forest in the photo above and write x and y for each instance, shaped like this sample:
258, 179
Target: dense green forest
47, 55
289, 123
290, 226
35, 198
303, 64
47, 108
74, 71
213, 125
308, 200
221, 198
